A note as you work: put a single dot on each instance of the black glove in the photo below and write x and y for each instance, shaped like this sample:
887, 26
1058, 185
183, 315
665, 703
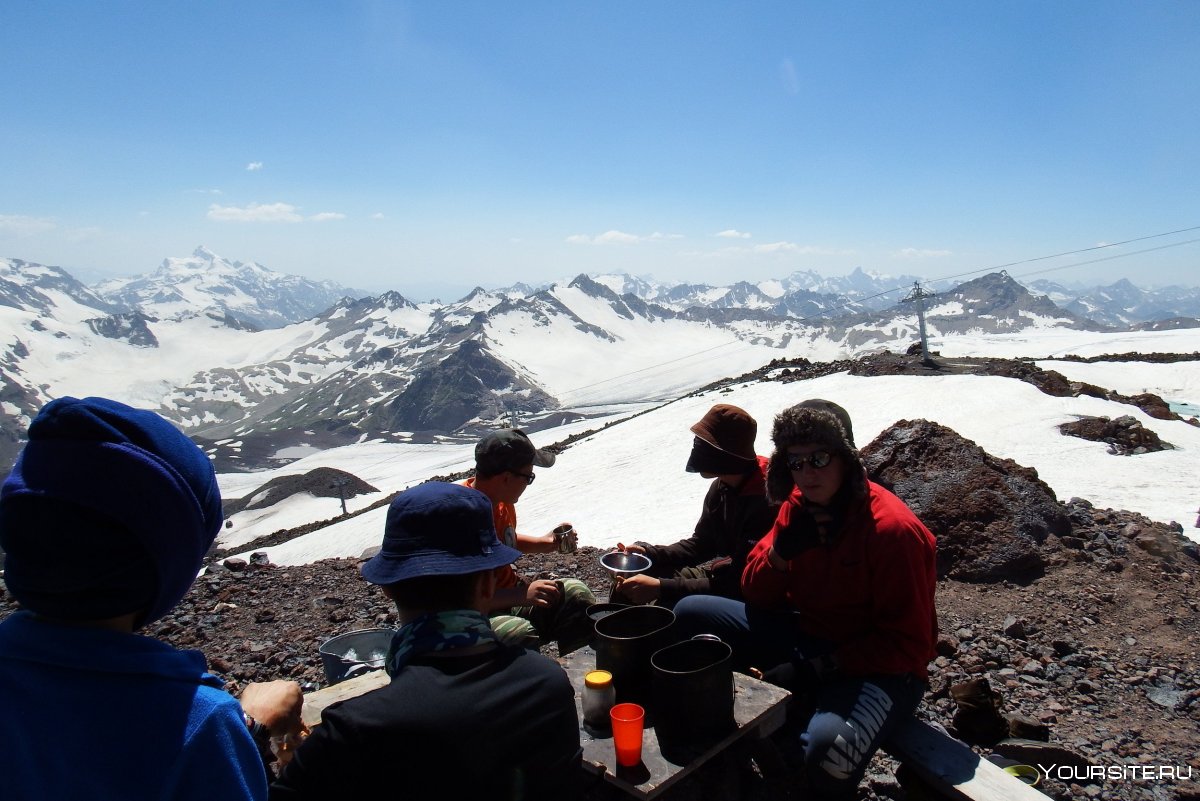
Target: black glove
802, 532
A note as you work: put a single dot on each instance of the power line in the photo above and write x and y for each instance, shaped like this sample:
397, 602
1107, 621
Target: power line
1110, 258
1083, 250
652, 367
980, 271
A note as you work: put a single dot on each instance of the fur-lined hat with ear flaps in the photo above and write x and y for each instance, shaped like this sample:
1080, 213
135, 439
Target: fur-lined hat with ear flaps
818, 422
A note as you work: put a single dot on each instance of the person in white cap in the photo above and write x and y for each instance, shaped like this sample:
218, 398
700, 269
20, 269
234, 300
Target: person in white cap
529, 613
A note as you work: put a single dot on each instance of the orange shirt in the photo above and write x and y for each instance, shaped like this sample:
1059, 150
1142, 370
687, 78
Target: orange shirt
505, 518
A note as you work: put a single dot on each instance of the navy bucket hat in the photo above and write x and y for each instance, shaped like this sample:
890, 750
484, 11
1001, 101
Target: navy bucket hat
438, 529
108, 510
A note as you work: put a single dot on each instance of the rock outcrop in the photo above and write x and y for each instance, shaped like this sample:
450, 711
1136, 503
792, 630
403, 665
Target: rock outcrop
990, 515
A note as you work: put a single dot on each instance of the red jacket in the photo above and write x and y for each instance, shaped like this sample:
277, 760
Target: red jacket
870, 591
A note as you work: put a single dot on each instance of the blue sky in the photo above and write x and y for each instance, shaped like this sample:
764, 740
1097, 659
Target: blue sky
449, 144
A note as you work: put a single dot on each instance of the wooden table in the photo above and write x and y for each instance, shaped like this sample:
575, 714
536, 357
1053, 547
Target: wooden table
758, 709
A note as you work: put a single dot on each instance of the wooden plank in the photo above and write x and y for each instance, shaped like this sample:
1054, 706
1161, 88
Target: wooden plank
316, 701
954, 769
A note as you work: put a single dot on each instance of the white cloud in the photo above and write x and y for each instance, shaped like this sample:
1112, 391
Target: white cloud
378, 216
801, 250
255, 212
777, 247
732, 233
22, 225
326, 216
918, 253
618, 238
771, 249
254, 166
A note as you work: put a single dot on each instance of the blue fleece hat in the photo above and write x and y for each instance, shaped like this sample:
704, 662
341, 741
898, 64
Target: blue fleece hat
438, 529
108, 510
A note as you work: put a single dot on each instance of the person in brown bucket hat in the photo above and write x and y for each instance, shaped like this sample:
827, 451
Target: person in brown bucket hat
735, 515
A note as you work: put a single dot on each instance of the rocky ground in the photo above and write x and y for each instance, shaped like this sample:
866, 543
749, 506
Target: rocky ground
1103, 657
1085, 622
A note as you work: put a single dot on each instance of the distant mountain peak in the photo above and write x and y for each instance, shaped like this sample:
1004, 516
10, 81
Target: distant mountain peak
595, 289
206, 282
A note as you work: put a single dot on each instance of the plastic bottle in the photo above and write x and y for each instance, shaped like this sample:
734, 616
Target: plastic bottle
599, 695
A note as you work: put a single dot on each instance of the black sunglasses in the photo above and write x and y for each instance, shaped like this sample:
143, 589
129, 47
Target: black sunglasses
529, 477
817, 459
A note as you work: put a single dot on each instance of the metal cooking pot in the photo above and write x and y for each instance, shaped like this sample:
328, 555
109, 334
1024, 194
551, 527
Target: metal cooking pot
599, 612
355, 652
624, 643
692, 683
603, 610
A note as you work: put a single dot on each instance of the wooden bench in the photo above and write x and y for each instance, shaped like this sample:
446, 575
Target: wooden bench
952, 769
316, 701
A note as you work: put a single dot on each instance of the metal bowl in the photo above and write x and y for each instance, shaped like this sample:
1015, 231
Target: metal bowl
625, 563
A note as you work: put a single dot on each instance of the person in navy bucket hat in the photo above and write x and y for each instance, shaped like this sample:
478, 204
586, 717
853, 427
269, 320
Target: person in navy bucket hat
105, 520
465, 715
437, 529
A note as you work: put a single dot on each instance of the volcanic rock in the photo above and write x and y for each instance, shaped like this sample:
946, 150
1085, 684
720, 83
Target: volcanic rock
1125, 435
989, 514
323, 482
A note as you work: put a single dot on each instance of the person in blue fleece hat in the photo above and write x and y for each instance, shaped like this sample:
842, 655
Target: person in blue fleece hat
105, 520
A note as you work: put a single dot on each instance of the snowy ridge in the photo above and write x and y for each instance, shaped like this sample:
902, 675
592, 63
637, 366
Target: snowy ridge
206, 282
385, 368
627, 481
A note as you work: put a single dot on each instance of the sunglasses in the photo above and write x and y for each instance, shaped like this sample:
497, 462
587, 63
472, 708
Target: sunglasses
817, 459
529, 477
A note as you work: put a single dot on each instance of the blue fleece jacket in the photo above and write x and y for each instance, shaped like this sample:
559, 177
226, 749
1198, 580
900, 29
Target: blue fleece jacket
99, 715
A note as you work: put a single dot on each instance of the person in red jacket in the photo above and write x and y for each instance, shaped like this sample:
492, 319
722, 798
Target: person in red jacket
839, 597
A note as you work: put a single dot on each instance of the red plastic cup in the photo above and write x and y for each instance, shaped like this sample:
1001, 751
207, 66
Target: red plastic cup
627, 723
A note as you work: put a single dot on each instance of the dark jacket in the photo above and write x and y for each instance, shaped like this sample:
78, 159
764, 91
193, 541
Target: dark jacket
730, 524
492, 726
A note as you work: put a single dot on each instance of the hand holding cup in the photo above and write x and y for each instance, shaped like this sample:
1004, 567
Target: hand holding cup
566, 538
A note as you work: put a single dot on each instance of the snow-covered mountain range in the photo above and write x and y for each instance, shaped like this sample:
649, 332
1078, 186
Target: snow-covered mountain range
205, 282
256, 363
1123, 304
